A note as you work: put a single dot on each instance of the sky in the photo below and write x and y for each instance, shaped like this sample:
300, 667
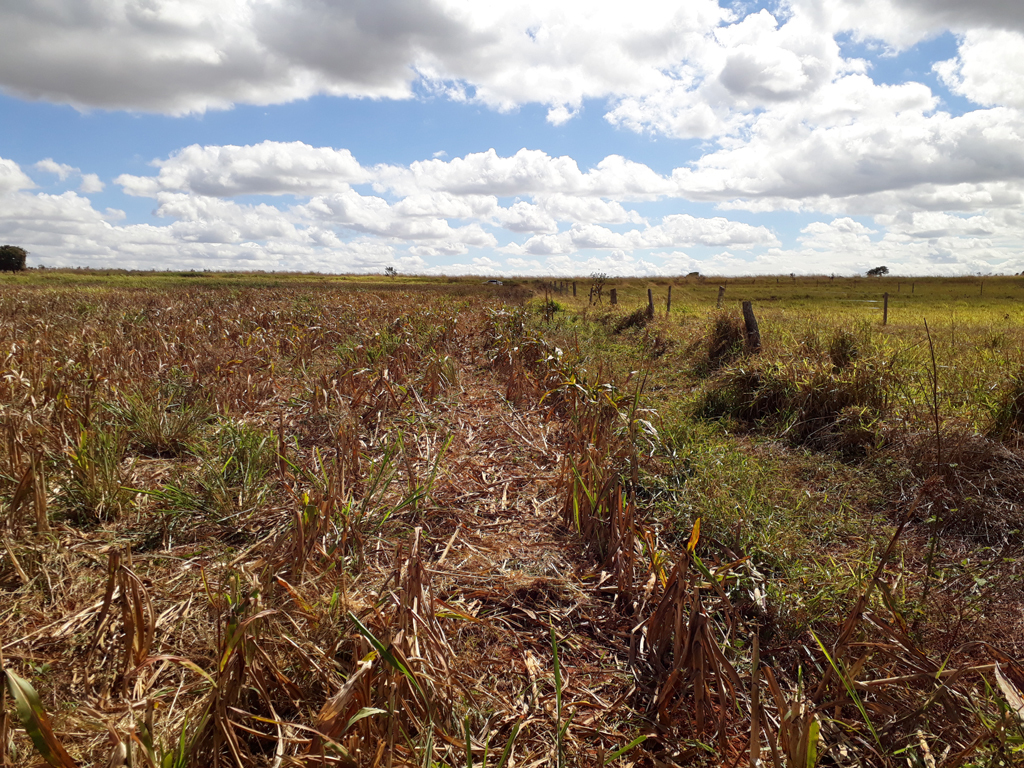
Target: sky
515, 138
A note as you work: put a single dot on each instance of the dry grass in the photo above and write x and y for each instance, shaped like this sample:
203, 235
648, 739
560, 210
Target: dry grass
287, 533
266, 526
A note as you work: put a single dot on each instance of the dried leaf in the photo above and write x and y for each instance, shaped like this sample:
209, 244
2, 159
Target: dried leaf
1013, 695
694, 536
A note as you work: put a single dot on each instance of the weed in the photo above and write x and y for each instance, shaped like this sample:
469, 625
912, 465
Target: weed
724, 341
94, 489
843, 348
161, 427
1007, 407
236, 480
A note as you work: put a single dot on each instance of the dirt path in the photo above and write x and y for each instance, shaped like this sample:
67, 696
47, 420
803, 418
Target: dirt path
496, 550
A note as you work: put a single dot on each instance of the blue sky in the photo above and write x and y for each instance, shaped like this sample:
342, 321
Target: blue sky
811, 136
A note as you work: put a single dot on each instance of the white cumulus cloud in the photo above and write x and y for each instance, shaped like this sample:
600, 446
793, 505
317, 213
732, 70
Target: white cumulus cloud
61, 170
268, 168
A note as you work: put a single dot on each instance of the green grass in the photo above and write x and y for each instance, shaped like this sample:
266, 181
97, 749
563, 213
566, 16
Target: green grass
799, 457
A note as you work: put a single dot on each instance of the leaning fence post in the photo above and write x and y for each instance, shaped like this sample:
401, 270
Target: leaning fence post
650, 304
721, 293
753, 332
614, 296
885, 309
668, 302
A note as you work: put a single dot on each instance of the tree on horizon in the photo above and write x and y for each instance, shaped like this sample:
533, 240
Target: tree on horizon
12, 258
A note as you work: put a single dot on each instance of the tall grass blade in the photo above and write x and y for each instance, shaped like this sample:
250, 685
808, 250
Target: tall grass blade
850, 690
623, 750
506, 753
559, 757
37, 723
813, 733
388, 656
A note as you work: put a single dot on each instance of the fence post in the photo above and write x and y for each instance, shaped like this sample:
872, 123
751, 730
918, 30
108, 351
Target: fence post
721, 293
574, 289
614, 296
668, 302
753, 332
650, 304
885, 309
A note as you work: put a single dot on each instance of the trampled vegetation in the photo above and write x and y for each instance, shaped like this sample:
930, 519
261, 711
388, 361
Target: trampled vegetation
303, 521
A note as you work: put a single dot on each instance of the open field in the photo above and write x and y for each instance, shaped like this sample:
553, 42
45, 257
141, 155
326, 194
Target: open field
301, 520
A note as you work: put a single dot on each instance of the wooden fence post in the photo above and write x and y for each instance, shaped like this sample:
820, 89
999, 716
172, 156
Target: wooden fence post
668, 302
721, 293
885, 309
650, 304
753, 332
614, 296
574, 289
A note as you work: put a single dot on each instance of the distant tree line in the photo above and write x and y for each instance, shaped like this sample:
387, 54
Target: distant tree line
12, 258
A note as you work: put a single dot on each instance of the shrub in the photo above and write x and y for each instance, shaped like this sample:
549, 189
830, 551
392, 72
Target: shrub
980, 496
550, 307
842, 348
636, 319
1008, 407
724, 341
749, 394
803, 401
727, 337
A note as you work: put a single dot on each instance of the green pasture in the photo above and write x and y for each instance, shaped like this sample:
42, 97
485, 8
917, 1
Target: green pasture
804, 455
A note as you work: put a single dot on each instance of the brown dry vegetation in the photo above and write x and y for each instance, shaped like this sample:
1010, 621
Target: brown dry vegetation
305, 525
